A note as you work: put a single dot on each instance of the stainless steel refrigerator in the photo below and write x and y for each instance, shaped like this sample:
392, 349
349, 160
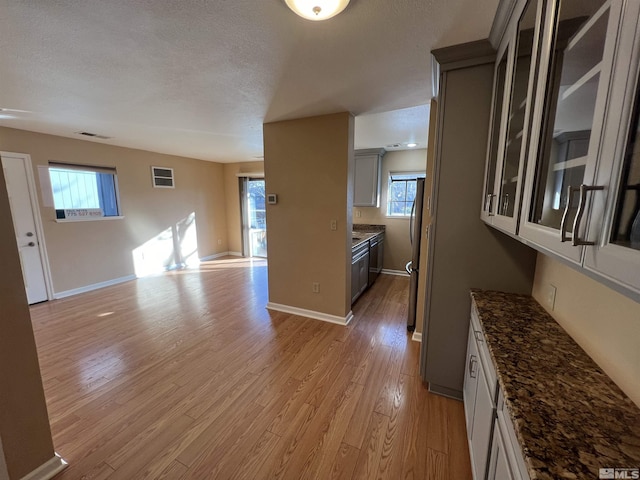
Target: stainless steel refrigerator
415, 230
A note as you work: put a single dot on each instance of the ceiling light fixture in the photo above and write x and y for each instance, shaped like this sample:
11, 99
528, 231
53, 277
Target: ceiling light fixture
412, 145
317, 10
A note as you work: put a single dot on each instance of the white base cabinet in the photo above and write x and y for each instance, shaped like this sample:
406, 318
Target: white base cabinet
495, 454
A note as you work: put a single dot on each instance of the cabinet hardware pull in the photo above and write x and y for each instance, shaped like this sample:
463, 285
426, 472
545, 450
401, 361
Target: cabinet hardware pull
577, 241
489, 203
472, 364
565, 216
478, 335
505, 203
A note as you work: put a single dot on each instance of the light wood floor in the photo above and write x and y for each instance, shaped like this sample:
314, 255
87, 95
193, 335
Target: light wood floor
186, 375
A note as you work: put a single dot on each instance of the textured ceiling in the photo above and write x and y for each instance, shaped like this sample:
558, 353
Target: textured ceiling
199, 78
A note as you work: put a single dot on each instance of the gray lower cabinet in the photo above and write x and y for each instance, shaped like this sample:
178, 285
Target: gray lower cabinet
359, 270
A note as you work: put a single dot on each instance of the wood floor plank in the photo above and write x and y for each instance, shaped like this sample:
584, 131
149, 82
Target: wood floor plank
186, 375
371, 450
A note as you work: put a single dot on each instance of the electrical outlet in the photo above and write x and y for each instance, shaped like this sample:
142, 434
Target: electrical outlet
334, 224
219, 241
551, 296
358, 213
315, 287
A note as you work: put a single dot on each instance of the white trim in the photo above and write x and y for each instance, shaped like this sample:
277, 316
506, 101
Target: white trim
94, 286
218, 255
416, 337
400, 273
48, 469
37, 217
87, 219
325, 317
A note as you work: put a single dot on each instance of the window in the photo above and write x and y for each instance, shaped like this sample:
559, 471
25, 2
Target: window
401, 193
84, 192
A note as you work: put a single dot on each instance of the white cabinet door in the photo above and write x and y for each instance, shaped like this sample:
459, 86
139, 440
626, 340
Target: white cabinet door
579, 44
523, 37
499, 468
482, 428
366, 180
470, 381
614, 225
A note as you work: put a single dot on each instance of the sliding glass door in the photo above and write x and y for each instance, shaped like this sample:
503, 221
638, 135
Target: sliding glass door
254, 218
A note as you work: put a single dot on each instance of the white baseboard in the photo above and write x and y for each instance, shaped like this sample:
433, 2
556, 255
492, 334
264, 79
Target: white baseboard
416, 337
325, 317
48, 469
221, 254
400, 273
95, 286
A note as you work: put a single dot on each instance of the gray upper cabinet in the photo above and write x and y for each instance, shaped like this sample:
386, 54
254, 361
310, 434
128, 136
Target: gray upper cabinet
613, 226
566, 170
515, 79
367, 171
568, 121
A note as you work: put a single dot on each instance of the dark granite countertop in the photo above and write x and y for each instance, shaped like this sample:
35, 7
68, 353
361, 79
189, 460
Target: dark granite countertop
569, 416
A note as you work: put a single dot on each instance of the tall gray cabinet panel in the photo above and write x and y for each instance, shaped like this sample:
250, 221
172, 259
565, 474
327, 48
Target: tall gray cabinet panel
464, 253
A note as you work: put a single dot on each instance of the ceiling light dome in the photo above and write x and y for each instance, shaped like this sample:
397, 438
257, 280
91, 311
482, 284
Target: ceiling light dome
317, 9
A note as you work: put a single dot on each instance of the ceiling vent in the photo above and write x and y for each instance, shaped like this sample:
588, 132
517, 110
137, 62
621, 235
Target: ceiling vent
94, 135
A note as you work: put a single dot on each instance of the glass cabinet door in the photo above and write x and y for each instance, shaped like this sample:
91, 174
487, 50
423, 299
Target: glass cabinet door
500, 77
614, 227
512, 168
570, 113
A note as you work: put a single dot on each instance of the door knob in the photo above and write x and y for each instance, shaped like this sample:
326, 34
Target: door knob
29, 234
31, 244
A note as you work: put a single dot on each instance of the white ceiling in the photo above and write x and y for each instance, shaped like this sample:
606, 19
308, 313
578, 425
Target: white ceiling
198, 78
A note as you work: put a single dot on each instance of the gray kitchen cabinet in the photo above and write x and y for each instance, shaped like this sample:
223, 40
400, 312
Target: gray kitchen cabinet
576, 194
367, 172
514, 82
359, 270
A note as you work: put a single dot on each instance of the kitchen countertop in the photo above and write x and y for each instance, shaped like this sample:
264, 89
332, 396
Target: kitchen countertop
569, 416
364, 232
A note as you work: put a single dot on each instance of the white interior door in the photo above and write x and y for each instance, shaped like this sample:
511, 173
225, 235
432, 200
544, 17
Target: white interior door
24, 222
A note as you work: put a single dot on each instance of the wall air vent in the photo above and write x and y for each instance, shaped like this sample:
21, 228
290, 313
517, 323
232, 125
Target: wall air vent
94, 135
162, 177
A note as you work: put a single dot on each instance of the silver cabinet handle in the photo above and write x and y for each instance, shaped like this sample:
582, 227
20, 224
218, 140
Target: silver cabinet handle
565, 216
408, 267
478, 335
584, 189
489, 203
472, 364
505, 203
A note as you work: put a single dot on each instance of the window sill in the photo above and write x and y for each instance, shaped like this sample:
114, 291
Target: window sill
86, 219
398, 217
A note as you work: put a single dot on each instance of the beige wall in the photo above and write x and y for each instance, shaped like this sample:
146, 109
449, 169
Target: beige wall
397, 246
24, 423
603, 322
232, 195
309, 165
86, 253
